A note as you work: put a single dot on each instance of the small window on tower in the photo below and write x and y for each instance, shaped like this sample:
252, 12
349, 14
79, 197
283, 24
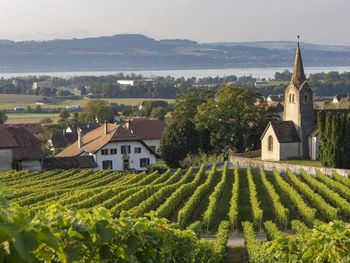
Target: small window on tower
293, 98
306, 98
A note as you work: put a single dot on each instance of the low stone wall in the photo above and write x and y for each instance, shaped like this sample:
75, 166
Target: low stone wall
251, 154
284, 167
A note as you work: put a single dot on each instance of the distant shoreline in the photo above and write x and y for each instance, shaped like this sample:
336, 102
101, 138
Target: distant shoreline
176, 73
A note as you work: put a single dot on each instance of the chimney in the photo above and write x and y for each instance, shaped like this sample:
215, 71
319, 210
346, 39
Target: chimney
105, 128
80, 138
128, 124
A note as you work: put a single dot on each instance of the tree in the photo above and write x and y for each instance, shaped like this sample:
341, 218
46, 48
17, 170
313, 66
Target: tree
64, 116
97, 110
38, 109
179, 139
75, 118
3, 117
234, 118
158, 112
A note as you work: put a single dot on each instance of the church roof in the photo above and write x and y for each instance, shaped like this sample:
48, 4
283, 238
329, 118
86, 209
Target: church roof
298, 76
285, 131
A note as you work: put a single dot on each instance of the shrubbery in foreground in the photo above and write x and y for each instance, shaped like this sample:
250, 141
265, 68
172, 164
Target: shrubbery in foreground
61, 235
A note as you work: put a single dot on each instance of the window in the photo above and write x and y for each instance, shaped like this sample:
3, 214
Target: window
104, 152
306, 98
270, 144
107, 165
144, 162
113, 151
125, 149
291, 98
137, 149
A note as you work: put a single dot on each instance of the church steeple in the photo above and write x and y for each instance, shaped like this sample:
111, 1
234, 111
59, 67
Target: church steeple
298, 76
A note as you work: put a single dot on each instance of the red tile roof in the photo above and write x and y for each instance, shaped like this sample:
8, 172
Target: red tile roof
147, 129
285, 131
34, 128
25, 145
96, 139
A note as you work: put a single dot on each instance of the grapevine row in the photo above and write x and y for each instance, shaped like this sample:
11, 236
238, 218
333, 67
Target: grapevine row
333, 197
233, 212
214, 200
280, 211
186, 212
304, 210
254, 202
325, 209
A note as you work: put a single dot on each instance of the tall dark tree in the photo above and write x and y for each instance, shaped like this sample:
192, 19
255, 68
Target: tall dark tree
179, 139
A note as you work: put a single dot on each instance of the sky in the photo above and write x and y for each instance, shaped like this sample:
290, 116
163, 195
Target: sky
317, 21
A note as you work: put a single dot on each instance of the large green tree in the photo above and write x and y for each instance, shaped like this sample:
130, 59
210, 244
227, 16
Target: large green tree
234, 118
179, 139
97, 110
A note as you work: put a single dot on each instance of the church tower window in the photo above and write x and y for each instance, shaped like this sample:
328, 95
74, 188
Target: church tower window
306, 98
270, 144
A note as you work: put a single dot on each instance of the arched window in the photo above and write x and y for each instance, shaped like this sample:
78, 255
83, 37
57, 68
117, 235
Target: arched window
293, 98
290, 98
306, 98
270, 143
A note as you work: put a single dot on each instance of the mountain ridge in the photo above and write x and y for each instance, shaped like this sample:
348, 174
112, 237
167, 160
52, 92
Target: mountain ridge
139, 52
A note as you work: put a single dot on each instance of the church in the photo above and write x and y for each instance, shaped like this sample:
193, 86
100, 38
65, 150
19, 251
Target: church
296, 136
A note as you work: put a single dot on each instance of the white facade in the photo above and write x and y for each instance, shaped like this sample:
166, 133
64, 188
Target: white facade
314, 146
119, 161
6, 158
277, 151
154, 144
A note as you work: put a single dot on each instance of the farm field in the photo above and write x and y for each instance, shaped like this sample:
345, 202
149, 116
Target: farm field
268, 205
10, 101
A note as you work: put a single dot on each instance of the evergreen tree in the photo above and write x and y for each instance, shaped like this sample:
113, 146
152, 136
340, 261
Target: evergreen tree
346, 142
321, 128
327, 146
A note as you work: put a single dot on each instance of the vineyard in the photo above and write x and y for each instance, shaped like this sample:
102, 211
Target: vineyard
204, 207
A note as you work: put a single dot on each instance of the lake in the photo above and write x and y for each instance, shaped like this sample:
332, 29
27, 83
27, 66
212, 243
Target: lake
186, 73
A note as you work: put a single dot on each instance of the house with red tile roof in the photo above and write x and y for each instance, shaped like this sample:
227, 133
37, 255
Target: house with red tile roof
148, 130
19, 149
113, 147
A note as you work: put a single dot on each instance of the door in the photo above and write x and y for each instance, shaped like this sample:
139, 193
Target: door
126, 164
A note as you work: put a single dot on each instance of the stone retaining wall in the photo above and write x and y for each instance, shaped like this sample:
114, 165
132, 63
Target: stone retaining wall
284, 167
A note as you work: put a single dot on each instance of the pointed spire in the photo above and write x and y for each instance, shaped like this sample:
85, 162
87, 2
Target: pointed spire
298, 76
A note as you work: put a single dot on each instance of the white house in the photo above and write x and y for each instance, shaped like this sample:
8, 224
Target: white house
112, 147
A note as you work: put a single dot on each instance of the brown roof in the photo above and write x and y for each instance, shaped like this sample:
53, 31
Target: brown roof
6, 138
96, 139
146, 129
285, 131
80, 162
25, 145
85, 127
62, 139
33, 128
